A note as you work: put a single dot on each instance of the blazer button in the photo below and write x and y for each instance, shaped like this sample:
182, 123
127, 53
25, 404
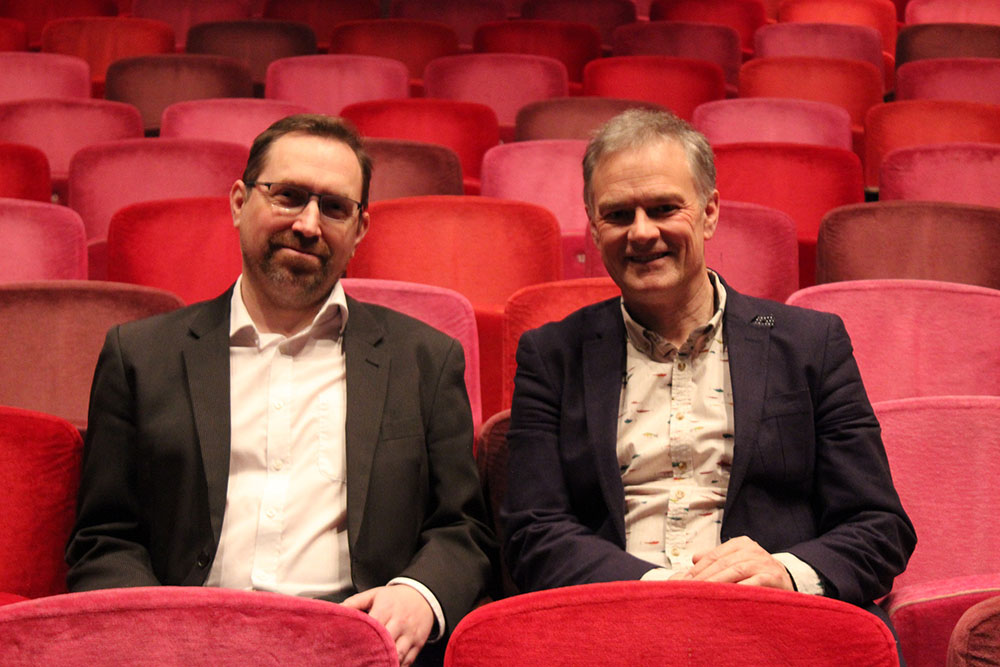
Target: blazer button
202, 559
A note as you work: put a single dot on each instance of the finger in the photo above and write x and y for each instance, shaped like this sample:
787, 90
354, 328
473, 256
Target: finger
361, 601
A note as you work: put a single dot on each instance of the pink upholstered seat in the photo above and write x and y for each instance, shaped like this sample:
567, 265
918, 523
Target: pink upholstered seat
974, 639
717, 44
149, 242
547, 173
30, 75
442, 308
967, 173
952, 11
969, 79
744, 16
53, 332
798, 179
877, 14
505, 82
39, 476
910, 239
328, 83
455, 242
468, 128
774, 119
191, 625
463, 16
902, 355
36, 13
412, 168
321, 15
234, 119
957, 434
605, 15
626, 622
182, 14
24, 172
570, 117
41, 241
62, 126
491, 459
108, 176
680, 84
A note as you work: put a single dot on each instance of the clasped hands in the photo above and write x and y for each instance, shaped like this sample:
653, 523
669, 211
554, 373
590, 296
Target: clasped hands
738, 561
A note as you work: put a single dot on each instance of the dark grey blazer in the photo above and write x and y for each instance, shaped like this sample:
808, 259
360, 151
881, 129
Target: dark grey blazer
156, 459
809, 474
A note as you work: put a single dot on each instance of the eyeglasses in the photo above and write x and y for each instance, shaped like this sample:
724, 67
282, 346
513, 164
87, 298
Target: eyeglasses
288, 199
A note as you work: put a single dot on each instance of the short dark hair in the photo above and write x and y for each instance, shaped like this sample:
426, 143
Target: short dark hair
317, 125
635, 128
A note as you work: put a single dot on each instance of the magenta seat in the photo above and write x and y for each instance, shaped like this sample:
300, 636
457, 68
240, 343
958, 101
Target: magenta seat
182, 14
605, 15
462, 16
774, 119
952, 11
237, 120
969, 79
41, 241
572, 43
744, 16
30, 75
412, 168
570, 117
321, 15
328, 83
966, 173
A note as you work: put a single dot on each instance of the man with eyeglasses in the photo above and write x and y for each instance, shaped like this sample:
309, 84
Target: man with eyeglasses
686, 431
283, 436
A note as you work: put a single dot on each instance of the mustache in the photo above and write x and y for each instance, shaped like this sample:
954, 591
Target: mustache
289, 239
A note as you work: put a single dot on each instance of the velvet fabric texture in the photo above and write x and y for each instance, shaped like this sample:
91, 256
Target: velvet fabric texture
468, 128
679, 84
717, 44
328, 83
801, 180
827, 40
910, 239
953, 11
775, 119
39, 474
966, 173
444, 309
877, 14
547, 173
925, 615
321, 15
914, 122
463, 16
947, 40
234, 119
107, 176
152, 83
570, 117
412, 168
13, 35
491, 460
975, 641
182, 14
534, 305
36, 13
31, 75
41, 241
605, 15
573, 44
253, 42
675, 623
190, 625
53, 331
188, 247
745, 16
502, 81
24, 173
482, 247
969, 79
62, 126
101, 40
902, 356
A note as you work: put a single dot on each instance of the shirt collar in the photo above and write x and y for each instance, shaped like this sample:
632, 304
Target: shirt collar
658, 348
329, 321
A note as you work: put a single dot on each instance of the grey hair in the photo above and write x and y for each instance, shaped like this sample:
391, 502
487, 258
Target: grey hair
635, 128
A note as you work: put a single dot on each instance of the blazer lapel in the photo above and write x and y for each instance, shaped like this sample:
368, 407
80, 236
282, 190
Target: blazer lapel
747, 331
206, 359
603, 373
367, 383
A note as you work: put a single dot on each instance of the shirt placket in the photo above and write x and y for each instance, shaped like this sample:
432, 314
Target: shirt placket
676, 527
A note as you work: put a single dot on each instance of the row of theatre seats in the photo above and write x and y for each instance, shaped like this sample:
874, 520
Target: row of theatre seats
478, 228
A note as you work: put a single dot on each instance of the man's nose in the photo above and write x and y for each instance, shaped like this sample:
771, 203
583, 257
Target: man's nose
307, 222
642, 228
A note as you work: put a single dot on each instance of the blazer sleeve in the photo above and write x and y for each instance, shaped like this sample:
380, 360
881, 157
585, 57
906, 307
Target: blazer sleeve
558, 529
107, 545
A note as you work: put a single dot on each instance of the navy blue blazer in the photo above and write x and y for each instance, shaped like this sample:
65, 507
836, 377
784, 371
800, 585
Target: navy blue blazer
809, 473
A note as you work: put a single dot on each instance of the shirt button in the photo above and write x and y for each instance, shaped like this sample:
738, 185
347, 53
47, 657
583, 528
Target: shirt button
681, 366
278, 405
277, 465
680, 494
680, 416
682, 465
675, 552
271, 514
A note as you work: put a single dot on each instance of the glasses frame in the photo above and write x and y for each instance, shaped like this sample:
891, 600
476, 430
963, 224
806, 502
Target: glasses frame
320, 196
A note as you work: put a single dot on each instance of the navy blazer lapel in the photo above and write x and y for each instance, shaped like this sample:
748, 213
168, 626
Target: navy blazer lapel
206, 360
603, 373
367, 367
747, 331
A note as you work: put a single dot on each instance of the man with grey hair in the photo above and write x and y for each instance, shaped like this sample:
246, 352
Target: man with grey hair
686, 431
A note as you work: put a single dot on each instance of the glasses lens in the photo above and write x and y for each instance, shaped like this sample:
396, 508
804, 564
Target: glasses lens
336, 207
288, 196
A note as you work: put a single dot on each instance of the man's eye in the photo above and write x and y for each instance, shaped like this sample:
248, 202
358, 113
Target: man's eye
337, 208
619, 217
288, 196
660, 212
